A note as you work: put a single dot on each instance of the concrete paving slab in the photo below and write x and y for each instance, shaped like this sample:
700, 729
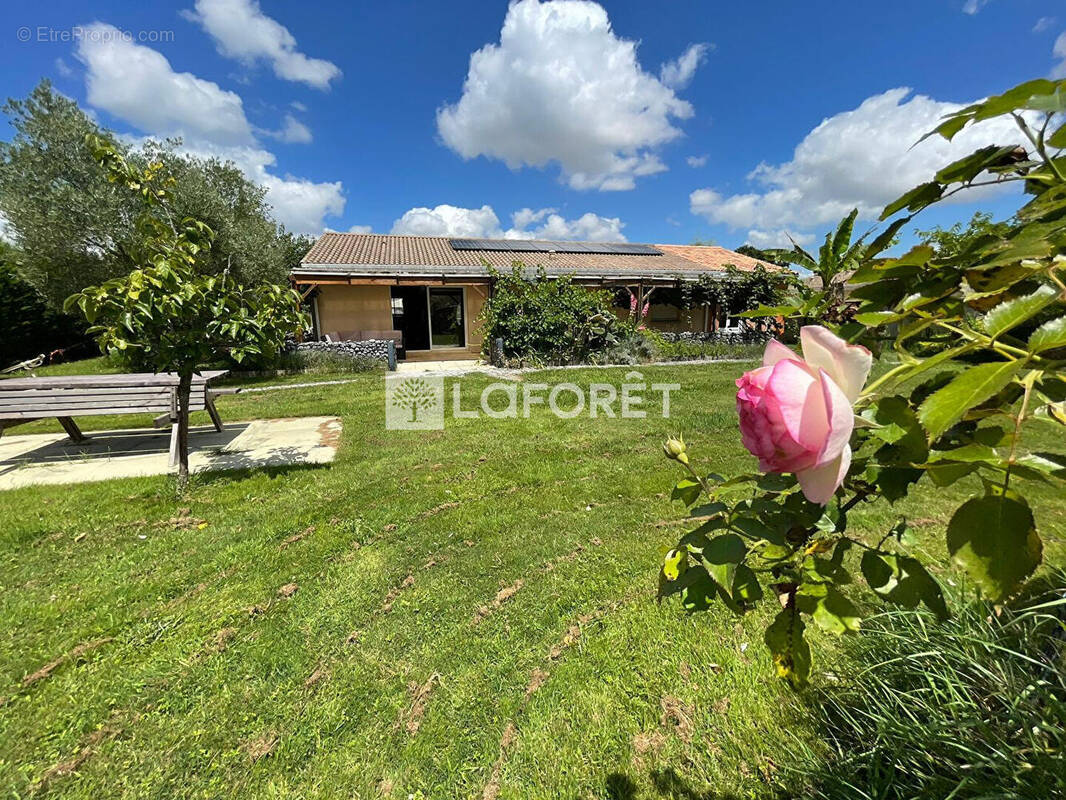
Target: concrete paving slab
458, 366
40, 459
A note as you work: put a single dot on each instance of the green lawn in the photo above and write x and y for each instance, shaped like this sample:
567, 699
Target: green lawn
458, 613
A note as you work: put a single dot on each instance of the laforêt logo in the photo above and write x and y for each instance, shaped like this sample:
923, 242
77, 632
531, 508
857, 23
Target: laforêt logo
414, 402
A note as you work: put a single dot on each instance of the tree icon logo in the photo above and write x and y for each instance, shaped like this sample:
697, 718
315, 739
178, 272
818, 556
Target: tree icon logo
414, 403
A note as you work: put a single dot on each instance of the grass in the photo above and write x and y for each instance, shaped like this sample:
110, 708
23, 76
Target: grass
437, 614
973, 707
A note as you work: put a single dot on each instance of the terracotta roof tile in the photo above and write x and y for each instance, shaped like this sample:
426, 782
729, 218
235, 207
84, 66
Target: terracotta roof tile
370, 250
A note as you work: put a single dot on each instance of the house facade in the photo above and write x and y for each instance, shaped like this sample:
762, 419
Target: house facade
427, 292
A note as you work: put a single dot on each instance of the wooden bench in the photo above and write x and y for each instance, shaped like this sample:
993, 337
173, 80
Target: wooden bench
65, 397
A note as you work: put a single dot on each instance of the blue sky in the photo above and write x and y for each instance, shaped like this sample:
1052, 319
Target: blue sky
766, 118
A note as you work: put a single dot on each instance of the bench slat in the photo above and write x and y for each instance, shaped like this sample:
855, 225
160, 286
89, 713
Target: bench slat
117, 380
87, 412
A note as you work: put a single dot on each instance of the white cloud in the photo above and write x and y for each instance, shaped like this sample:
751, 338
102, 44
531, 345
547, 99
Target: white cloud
361, 229
298, 105
299, 204
1059, 52
243, 32
562, 87
292, 131
677, 74
696, 161
586, 228
765, 240
446, 220
971, 7
1043, 24
63, 68
860, 158
138, 84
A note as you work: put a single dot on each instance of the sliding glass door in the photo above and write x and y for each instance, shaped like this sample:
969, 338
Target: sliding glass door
446, 324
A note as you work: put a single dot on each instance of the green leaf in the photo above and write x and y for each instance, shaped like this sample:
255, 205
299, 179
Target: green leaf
899, 426
698, 591
790, 651
674, 564
874, 318
721, 556
945, 407
947, 473
687, 490
994, 539
835, 613
903, 581
1058, 138
969, 167
1014, 312
1048, 336
894, 481
918, 197
746, 587
768, 311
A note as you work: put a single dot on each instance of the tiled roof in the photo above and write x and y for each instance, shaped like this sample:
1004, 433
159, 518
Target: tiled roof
715, 257
382, 254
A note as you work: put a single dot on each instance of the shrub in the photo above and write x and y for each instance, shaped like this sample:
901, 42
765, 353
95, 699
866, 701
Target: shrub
546, 320
973, 707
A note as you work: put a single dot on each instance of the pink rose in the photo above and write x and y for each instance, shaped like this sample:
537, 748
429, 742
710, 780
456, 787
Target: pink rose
795, 413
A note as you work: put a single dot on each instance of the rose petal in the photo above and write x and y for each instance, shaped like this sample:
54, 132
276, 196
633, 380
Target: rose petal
847, 364
839, 416
798, 399
775, 351
820, 483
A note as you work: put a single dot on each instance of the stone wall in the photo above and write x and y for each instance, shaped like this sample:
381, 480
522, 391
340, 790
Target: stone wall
747, 336
377, 349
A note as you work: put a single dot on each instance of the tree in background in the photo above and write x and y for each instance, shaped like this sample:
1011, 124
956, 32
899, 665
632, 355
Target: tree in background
28, 326
72, 224
948, 242
174, 315
62, 213
247, 241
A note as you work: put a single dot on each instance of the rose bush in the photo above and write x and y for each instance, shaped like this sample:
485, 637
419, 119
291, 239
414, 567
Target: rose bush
796, 413
977, 338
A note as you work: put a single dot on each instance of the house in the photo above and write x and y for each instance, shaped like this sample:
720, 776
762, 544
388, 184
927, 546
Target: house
428, 291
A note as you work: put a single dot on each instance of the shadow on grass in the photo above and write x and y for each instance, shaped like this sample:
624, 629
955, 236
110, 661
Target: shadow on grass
667, 783
238, 473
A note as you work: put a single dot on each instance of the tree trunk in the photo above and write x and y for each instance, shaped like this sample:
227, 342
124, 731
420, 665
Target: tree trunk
184, 391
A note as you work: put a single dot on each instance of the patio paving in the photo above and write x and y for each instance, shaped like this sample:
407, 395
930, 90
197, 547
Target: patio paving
51, 458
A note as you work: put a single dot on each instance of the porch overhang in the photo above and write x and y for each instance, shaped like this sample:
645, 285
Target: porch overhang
397, 275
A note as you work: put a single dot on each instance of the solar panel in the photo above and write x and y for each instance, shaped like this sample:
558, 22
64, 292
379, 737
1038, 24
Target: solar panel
542, 246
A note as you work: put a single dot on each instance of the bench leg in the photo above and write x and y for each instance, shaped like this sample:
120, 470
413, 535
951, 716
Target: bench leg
174, 443
209, 404
72, 429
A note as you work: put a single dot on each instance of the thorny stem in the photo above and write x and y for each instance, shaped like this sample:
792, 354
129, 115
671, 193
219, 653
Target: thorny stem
1028, 382
700, 479
1038, 142
988, 341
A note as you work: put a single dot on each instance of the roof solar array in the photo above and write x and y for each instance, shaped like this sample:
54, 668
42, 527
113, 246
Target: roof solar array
541, 246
